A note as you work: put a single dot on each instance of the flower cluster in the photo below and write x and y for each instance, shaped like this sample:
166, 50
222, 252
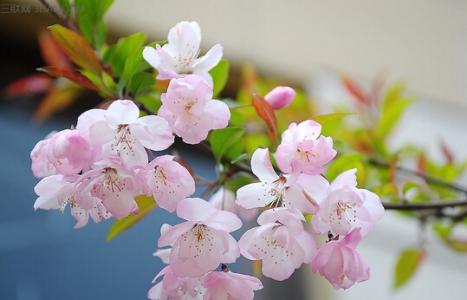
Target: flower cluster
339, 210
101, 165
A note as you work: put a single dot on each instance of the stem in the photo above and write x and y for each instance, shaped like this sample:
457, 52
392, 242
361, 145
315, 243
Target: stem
426, 206
63, 19
427, 178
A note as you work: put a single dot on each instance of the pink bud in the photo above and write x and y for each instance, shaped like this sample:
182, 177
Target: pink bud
280, 97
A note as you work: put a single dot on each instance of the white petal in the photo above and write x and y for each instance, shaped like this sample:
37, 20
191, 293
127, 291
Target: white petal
209, 60
153, 132
255, 195
122, 112
151, 56
262, 167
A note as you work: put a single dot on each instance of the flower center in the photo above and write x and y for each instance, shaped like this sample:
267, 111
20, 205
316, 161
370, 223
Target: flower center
111, 180
123, 140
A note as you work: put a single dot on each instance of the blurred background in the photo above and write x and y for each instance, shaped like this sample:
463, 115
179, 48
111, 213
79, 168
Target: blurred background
306, 43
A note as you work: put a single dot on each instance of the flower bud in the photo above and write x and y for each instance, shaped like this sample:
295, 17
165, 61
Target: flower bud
280, 97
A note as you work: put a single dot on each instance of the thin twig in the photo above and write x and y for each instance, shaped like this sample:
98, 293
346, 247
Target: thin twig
63, 19
424, 206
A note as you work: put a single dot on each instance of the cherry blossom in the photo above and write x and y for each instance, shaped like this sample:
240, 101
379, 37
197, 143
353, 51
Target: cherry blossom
229, 285
168, 181
280, 242
113, 184
346, 207
201, 243
190, 110
224, 199
124, 133
65, 152
296, 191
339, 263
57, 191
280, 97
179, 57
175, 287
302, 149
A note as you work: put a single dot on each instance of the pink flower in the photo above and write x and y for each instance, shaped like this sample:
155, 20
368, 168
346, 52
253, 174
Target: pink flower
280, 242
124, 133
175, 287
57, 191
168, 181
203, 242
295, 191
179, 56
190, 110
113, 184
346, 207
303, 150
65, 152
224, 199
340, 264
280, 97
229, 285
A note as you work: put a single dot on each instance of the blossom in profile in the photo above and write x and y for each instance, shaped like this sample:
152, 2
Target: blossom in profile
179, 57
230, 285
340, 263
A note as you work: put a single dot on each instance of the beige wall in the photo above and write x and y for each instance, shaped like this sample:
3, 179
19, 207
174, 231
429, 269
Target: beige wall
423, 42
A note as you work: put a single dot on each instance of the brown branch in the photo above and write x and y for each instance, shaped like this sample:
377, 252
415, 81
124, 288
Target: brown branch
424, 206
62, 18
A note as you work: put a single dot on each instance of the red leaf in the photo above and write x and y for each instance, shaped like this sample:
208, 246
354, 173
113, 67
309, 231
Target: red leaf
33, 84
51, 52
76, 48
71, 75
447, 153
265, 112
355, 90
421, 163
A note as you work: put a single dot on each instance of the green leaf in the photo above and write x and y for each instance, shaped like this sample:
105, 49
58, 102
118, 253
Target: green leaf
141, 83
393, 108
345, 162
219, 74
322, 119
444, 232
222, 140
76, 48
151, 102
89, 14
407, 264
118, 54
65, 5
145, 206
237, 181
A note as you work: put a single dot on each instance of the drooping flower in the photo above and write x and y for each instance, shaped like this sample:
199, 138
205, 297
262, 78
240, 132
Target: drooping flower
124, 133
346, 207
57, 191
280, 97
303, 150
66, 152
229, 285
296, 191
190, 110
179, 57
224, 199
340, 263
201, 243
168, 181
113, 184
175, 287
280, 242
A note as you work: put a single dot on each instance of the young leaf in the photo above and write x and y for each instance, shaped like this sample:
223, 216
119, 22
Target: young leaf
32, 84
354, 89
345, 162
391, 115
118, 54
145, 206
141, 83
330, 117
69, 74
219, 74
223, 139
444, 232
266, 113
76, 48
57, 99
89, 14
407, 264
51, 52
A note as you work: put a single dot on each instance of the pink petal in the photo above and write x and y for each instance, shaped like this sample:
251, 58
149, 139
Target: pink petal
172, 233
195, 209
347, 178
153, 132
